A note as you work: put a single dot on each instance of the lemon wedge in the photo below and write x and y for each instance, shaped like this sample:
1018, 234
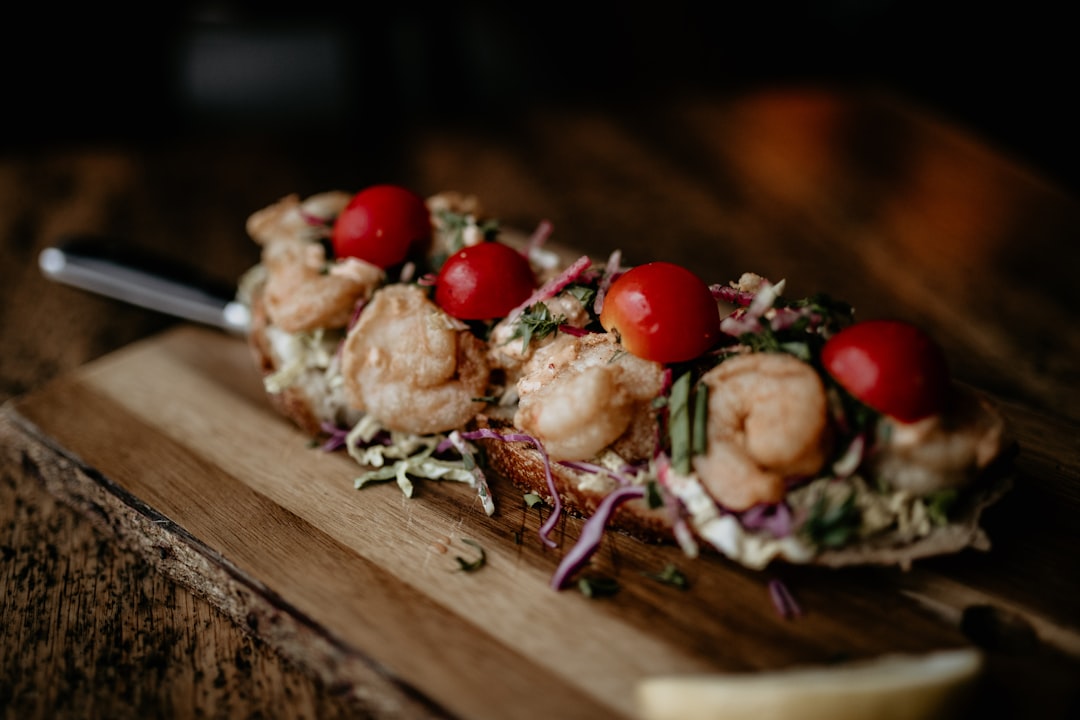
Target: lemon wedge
891, 687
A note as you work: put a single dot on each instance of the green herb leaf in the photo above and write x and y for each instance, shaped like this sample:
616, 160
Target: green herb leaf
536, 323
489, 229
472, 565
598, 587
583, 293
940, 504
832, 525
679, 424
800, 350
653, 496
699, 440
670, 575
454, 225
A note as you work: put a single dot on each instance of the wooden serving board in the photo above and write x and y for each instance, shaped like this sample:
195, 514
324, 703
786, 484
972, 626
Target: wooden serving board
171, 446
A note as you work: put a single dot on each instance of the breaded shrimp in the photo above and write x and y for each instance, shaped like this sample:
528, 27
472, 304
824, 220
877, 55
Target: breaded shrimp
942, 451
411, 366
290, 220
304, 289
767, 422
581, 394
305, 292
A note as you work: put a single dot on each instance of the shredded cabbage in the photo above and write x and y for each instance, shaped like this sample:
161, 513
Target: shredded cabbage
556, 511
479, 479
405, 456
298, 353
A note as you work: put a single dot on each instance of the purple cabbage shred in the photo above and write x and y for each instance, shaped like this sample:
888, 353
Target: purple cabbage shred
592, 533
783, 600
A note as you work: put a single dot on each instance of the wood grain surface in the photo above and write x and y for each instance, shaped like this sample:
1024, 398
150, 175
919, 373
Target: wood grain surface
134, 595
363, 589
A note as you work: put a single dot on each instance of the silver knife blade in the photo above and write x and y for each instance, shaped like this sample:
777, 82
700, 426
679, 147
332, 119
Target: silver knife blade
105, 268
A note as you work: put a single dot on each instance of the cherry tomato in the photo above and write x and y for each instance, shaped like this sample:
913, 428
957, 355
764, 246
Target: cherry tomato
483, 282
382, 224
890, 365
662, 312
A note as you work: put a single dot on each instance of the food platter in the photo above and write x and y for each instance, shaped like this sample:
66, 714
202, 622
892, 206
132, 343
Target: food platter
171, 445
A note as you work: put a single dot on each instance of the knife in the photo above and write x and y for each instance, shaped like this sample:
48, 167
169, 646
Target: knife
117, 270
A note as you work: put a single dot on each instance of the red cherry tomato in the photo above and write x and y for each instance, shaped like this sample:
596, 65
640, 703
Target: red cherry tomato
892, 366
662, 312
483, 282
382, 224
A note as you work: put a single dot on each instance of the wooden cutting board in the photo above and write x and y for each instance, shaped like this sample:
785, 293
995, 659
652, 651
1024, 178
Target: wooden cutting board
171, 446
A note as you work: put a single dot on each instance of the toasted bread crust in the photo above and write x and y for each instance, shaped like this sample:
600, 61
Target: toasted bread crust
293, 402
523, 465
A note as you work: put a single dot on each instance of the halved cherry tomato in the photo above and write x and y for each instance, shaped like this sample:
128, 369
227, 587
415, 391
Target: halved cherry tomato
382, 224
890, 365
661, 311
483, 282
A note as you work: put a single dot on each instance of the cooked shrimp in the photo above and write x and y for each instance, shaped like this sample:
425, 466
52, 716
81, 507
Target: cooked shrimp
767, 422
291, 220
412, 367
942, 451
305, 292
580, 395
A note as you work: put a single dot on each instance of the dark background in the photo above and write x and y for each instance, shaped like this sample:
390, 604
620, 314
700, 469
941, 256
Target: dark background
356, 73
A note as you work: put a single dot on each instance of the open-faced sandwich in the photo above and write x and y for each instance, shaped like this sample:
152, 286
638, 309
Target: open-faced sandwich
428, 343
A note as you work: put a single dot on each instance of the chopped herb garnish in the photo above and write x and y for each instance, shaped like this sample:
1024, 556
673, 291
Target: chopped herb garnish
653, 496
940, 504
454, 224
536, 323
679, 424
583, 293
795, 327
832, 525
699, 441
800, 350
597, 587
670, 575
472, 565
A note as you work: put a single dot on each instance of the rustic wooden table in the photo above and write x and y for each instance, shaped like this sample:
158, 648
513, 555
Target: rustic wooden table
856, 194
